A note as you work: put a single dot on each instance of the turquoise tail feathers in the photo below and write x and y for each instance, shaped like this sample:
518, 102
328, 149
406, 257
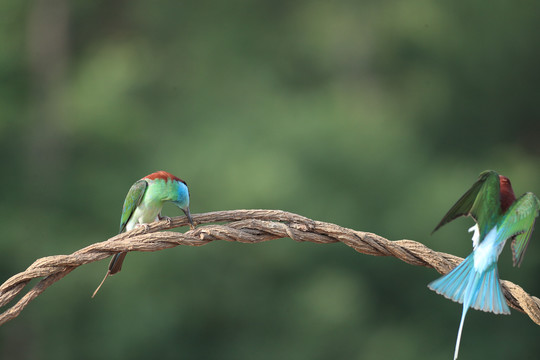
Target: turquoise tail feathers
479, 290
453, 284
458, 340
467, 286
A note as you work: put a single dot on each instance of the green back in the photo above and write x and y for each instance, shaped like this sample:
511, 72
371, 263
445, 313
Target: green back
481, 202
133, 199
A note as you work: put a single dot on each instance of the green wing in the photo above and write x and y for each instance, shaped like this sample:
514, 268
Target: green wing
481, 201
133, 199
518, 223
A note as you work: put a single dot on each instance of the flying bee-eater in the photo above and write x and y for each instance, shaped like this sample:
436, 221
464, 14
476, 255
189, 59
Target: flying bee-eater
143, 205
499, 216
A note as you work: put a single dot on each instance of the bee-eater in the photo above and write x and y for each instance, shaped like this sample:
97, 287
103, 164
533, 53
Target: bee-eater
143, 205
499, 216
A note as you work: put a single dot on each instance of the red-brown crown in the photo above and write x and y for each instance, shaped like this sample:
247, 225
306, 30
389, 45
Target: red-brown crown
163, 175
507, 193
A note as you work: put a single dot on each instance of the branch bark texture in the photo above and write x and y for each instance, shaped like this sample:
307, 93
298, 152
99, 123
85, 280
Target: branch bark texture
245, 226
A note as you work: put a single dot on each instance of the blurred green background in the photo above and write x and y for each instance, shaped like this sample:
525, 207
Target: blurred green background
374, 115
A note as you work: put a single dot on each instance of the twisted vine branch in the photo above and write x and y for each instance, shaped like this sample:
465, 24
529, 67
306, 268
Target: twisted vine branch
246, 226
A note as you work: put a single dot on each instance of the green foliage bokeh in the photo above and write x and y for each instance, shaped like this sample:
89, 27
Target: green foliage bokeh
373, 115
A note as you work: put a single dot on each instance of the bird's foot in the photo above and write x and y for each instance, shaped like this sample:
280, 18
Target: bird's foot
166, 218
144, 226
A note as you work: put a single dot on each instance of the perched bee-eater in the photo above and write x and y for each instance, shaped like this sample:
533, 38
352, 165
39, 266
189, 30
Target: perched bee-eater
499, 216
143, 205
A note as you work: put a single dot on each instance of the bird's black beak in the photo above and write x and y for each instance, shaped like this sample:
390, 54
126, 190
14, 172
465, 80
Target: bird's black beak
188, 214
